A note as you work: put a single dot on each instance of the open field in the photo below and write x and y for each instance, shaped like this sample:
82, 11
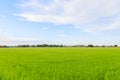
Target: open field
60, 64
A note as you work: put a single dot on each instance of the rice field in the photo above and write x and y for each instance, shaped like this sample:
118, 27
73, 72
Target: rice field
60, 64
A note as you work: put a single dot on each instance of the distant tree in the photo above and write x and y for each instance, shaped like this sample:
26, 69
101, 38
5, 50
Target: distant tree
90, 45
78, 46
115, 45
33, 45
96, 46
23, 45
103, 46
61, 45
3, 46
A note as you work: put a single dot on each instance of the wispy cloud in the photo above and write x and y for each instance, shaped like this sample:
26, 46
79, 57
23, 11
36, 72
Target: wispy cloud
11, 40
86, 15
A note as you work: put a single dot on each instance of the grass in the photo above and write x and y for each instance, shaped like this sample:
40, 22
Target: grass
60, 64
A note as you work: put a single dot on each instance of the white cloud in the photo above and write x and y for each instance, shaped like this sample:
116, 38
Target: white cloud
83, 14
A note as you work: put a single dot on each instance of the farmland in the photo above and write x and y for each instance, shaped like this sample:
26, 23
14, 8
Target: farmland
60, 64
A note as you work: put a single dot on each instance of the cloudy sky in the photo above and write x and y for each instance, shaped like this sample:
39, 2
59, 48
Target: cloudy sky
60, 21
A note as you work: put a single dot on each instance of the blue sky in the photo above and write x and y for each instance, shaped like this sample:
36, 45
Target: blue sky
60, 22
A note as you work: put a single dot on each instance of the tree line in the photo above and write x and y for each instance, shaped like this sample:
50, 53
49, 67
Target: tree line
48, 45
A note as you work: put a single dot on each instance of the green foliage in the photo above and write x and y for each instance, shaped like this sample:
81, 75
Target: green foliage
60, 64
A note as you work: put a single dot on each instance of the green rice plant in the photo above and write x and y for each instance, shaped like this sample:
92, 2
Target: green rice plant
59, 63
